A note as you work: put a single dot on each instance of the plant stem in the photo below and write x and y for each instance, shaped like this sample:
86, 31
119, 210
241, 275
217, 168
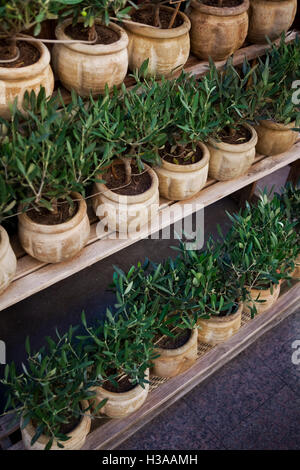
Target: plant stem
157, 22
174, 15
220, 3
92, 33
128, 170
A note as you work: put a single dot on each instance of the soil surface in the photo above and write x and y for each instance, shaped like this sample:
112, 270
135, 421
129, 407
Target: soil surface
240, 135
181, 155
173, 343
67, 427
64, 213
124, 385
226, 3
105, 35
29, 54
115, 178
147, 16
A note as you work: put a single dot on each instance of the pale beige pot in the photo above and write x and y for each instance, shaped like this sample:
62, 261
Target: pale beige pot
88, 68
126, 213
296, 272
55, 243
228, 161
120, 405
172, 362
15, 81
216, 330
179, 182
266, 295
77, 437
274, 138
270, 18
8, 261
217, 32
166, 49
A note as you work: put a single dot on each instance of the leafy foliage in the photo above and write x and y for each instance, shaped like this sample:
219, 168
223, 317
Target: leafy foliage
20, 15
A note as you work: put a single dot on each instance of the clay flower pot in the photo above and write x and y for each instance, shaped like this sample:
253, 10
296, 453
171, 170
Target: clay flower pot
77, 436
266, 295
296, 272
172, 362
228, 161
88, 68
179, 182
55, 243
270, 18
274, 138
166, 49
217, 32
15, 81
216, 329
8, 261
122, 404
126, 213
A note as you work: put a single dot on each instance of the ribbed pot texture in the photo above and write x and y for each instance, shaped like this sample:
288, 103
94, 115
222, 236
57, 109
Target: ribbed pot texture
266, 295
167, 49
122, 404
217, 32
179, 182
77, 440
8, 261
228, 161
55, 243
217, 329
88, 68
14, 82
274, 138
296, 273
270, 18
173, 362
126, 213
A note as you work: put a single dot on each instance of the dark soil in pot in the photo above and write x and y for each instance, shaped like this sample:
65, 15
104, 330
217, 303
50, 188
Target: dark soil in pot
124, 385
181, 155
146, 15
29, 54
64, 213
240, 135
166, 342
65, 428
226, 3
105, 35
115, 179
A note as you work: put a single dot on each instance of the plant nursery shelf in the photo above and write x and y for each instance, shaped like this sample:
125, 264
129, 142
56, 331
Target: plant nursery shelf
107, 434
33, 276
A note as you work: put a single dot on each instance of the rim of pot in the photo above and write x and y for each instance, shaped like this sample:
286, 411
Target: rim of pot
157, 33
4, 241
93, 49
273, 2
123, 199
26, 221
116, 396
176, 352
221, 11
236, 148
193, 166
228, 318
30, 70
275, 287
276, 126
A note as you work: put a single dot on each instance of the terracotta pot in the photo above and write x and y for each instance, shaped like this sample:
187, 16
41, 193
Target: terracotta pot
274, 138
87, 69
217, 329
15, 81
228, 161
172, 362
55, 243
179, 182
217, 32
166, 49
77, 440
270, 18
122, 404
296, 272
265, 295
8, 261
126, 213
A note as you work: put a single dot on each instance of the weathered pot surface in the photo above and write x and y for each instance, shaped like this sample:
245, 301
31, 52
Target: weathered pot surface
167, 49
266, 295
179, 182
8, 261
14, 82
88, 68
76, 441
217, 32
218, 329
275, 138
173, 362
55, 243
